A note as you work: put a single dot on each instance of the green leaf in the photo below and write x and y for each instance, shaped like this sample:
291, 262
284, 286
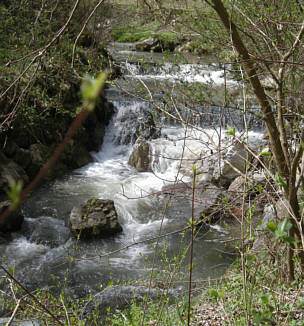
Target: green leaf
221, 294
279, 181
14, 191
285, 225
231, 132
300, 303
265, 153
90, 90
213, 293
271, 226
289, 239
279, 234
265, 299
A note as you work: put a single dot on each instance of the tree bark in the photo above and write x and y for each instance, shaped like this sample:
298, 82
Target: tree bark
277, 138
248, 65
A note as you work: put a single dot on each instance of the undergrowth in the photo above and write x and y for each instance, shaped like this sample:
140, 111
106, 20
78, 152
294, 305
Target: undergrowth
263, 299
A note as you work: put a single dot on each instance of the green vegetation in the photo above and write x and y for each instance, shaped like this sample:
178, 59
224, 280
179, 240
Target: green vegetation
129, 33
46, 87
269, 300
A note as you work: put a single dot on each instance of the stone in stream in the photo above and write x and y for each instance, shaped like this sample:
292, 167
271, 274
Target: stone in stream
140, 157
94, 218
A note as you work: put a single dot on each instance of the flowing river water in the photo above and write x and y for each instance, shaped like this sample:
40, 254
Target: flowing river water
41, 252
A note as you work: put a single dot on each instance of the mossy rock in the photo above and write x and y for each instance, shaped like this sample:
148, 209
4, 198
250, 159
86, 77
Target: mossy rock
94, 218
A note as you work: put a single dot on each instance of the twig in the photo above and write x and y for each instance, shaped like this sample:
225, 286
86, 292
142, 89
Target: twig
191, 247
65, 310
13, 314
83, 28
31, 295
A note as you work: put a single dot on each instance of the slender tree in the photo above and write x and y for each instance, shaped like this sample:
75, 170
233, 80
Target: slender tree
287, 146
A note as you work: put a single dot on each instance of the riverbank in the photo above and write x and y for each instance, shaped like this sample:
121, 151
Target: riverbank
39, 103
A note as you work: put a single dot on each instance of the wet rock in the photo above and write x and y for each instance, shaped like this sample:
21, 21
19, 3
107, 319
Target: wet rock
23, 157
13, 221
147, 44
10, 170
250, 185
147, 128
39, 153
10, 148
208, 202
235, 160
232, 163
140, 157
136, 124
95, 218
185, 47
270, 214
46, 230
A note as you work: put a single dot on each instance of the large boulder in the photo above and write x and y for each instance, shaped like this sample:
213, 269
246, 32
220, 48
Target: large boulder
221, 170
140, 157
270, 214
13, 221
233, 162
94, 218
252, 185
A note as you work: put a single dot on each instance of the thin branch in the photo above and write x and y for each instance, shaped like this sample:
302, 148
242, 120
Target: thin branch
31, 295
83, 28
13, 314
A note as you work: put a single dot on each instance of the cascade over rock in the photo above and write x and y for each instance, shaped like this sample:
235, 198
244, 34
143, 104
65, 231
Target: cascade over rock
94, 218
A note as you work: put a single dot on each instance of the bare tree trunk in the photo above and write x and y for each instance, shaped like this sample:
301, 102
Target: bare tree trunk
268, 116
277, 137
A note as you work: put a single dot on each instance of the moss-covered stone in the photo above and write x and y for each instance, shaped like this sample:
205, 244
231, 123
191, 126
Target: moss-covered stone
94, 218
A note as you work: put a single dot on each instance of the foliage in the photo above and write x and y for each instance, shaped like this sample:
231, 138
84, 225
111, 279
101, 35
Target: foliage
257, 290
49, 90
269, 301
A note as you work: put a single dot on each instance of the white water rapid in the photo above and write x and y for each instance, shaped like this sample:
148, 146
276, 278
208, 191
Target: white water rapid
44, 245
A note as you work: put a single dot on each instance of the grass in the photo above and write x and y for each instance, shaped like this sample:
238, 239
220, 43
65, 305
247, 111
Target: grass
133, 32
263, 299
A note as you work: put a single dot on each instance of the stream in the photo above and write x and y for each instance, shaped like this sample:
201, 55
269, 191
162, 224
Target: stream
40, 253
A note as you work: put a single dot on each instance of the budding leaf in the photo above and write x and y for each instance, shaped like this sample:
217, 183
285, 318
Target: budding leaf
14, 191
231, 132
90, 90
265, 153
271, 226
279, 181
